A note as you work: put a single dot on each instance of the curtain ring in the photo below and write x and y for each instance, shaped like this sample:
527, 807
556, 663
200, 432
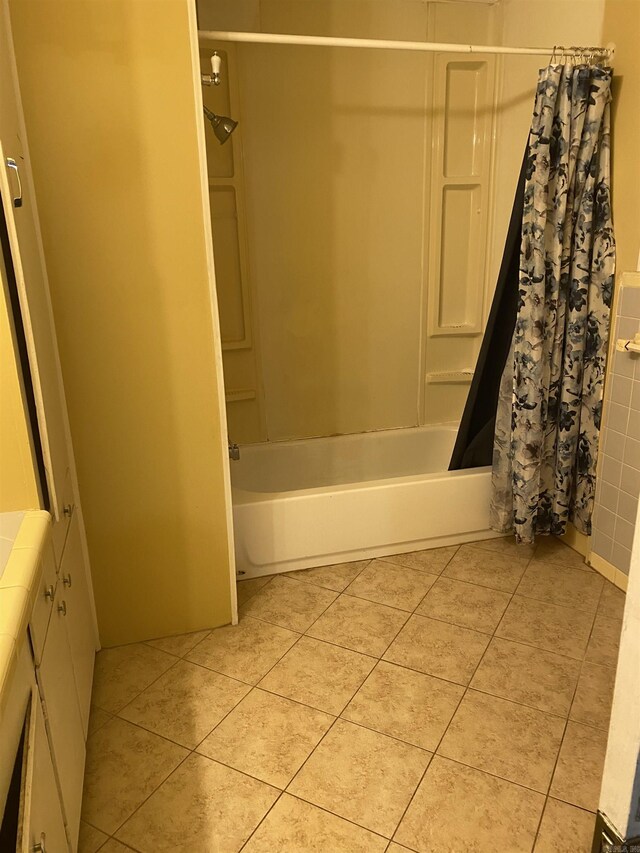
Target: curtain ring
553, 55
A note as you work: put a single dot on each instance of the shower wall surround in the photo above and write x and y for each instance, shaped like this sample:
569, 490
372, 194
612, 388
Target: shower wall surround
358, 183
359, 233
619, 465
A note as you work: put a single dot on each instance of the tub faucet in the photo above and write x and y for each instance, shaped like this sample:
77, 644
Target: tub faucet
234, 451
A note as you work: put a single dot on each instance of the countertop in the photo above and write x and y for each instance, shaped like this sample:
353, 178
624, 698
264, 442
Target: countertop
23, 537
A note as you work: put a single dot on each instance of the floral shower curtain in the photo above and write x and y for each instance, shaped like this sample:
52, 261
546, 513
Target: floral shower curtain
548, 418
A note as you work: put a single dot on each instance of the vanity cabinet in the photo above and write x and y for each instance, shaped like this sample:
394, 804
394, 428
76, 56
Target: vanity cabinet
75, 599
43, 819
57, 685
48, 623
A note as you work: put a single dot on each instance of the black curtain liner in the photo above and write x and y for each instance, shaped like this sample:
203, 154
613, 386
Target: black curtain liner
474, 443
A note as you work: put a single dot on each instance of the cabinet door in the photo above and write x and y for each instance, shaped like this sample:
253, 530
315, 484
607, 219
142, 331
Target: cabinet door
79, 620
58, 688
43, 820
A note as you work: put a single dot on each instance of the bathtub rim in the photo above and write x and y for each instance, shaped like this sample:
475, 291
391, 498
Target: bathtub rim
247, 496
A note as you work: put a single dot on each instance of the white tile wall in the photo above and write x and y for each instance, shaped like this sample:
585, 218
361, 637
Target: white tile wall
618, 488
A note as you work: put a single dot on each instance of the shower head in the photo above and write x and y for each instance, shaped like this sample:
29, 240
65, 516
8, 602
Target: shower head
223, 126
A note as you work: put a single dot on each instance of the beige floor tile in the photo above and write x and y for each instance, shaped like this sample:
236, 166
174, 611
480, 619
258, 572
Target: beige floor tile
90, 839
511, 741
123, 672
178, 645
124, 765
561, 585
202, 806
465, 604
579, 770
561, 822
336, 577
97, 719
432, 560
293, 826
289, 603
604, 643
549, 549
247, 589
396, 586
362, 776
185, 703
245, 651
546, 626
612, 601
408, 705
542, 680
114, 846
457, 808
318, 674
267, 736
475, 565
359, 625
592, 702
506, 545
439, 649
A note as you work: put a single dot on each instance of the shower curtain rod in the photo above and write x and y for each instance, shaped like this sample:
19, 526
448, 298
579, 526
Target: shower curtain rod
384, 44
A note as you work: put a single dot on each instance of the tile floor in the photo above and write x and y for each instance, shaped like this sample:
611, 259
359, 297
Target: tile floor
446, 700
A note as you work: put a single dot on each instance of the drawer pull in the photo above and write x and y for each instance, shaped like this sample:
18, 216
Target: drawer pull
17, 200
48, 592
62, 607
40, 846
67, 510
66, 579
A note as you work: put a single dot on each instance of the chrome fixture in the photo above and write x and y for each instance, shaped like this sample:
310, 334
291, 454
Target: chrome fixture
234, 452
214, 78
11, 164
223, 126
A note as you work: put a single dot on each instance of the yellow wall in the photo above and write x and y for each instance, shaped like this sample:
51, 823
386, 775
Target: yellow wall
18, 488
622, 26
109, 104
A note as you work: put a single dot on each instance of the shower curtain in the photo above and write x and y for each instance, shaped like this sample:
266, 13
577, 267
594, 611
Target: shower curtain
550, 399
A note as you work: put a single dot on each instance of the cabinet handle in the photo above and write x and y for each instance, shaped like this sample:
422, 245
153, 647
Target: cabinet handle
40, 846
11, 164
66, 579
62, 607
48, 592
67, 510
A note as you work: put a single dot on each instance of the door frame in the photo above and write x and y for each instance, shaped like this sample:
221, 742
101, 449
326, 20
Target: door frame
213, 300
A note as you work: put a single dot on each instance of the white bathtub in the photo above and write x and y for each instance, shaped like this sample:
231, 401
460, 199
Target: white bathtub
299, 504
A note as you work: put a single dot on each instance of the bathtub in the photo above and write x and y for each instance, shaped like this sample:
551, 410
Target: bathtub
300, 504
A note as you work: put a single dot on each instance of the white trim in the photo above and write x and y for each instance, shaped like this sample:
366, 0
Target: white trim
215, 319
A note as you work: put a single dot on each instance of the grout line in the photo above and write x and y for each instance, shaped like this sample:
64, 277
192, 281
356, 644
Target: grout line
566, 725
462, 697
446, 729
289, 783
379, 658
139, 806
139, 693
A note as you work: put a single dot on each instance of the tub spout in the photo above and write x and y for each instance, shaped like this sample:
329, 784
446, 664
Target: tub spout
234, 451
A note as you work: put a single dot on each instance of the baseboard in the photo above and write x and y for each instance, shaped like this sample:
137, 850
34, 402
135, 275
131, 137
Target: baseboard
610, 572
576, 540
